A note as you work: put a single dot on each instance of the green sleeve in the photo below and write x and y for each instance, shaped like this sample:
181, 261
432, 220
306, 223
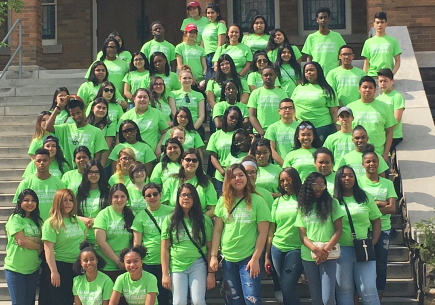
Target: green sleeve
208, 228
165, 227
137, 222
300, 220
115, 151
48, 233
383, 166
306, 49
34, 145
107, 289
245, 86
15, 224
217, 54
263, 212
374, 212
156, 175
211, 146
337, 212
198, 142
118, 283
391, 192
30, 169
100, 221
100, 142
210, 194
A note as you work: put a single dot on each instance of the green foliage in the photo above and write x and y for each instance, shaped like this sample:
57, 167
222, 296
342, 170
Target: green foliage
426, 229
5, 6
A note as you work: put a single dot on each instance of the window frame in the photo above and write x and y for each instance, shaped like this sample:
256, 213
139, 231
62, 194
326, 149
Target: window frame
48, 42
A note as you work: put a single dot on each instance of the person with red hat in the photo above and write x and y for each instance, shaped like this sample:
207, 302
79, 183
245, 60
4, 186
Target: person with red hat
194, 13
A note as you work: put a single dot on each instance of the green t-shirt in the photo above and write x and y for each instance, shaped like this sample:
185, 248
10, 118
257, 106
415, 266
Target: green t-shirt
241, 54
200, 24
381, 52
20, 259
339, 143
136, 201
95, 292
63, 118
256, 42
266, 194
268, 177
171, 81
283, 136
34, 145
192, 102
45, 189
163, 106
266, 101
72, 180
151, 237
254, 79
192, 139
324, 49
220, 143
220, 107
235, 159
210, 36
207, 195
153, 46
284, 212
345, 83
142, 151
312, 104
381, 190
396, 101
362, 215
375, 117
87, 92
183, 252
135, 292
191, 56
216, 88
289, 80
114, 114
117, 70
124, 55
159, 176
71, 137
239, 234
354, 160
330, 183
272, 54
134, 78
114, 179
90, 209
67, 240
151, 123
302, 160
316, 229
54, 169
117, 236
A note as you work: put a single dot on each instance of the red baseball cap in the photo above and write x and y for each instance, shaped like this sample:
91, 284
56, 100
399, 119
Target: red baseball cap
193, 4
191, 27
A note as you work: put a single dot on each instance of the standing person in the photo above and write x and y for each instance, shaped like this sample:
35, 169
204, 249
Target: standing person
288, 69
73, 178
316, 101
92, 196
62, 234
306, 141
63, 117
240, 146
283, 246
385, 197
147, 227
345, 78
24, 245
159, 66
315, 44
340, 143
191, 172
151, 122
381, 51
159, 44
78, 133
395, 100
276, 40
186, 244
240, 229
194, 13
376, 117
259, 62
324, 163
170, 162
91, 286
160, 99
126, 157
213, 36
258, 36
42, 182
361, 208
139, 178
189, 53
122, 53
320, 228
137, 70
136, 285
281, 133
264, 102
239, 52
40, 133
115, 110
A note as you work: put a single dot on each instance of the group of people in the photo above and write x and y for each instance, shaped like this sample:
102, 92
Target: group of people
115, 206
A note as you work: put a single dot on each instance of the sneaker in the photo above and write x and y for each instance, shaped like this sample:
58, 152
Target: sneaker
278, 296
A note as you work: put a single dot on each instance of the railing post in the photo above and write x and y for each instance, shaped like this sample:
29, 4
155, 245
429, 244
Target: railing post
20, 54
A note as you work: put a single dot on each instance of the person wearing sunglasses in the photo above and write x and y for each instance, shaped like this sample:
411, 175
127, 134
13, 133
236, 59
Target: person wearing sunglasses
259, 62
146, 232
191, 171
301, 157
115, 110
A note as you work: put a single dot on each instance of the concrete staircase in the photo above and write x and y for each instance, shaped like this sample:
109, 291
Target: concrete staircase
428, 77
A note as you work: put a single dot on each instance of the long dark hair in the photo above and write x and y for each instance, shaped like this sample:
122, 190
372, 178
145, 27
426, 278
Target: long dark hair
114, 34
84, 149
261, 142
257, 54
216, 8
154, 100
307, 199
126, 211
189, 127
251, 28
153, 68
58, 90
132, 66
121, 136
85, 187
293, 62
195, 215
358, 193
165, 158
59, 156
106, 42
271, 44
296, 180
321, 81
92, 78
103, 86
234, 148
304, 124
239, 124
203, 179
224, 85
34, 215
227, 38
85, 246
105, 121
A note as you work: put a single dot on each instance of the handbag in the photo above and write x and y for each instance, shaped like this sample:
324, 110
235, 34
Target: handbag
334, 254
364, 250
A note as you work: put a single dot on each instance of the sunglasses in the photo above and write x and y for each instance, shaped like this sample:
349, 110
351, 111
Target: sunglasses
155, 194
262, 61
109, 90
129, 130
188, 160
303, 126
184, 195
187, 99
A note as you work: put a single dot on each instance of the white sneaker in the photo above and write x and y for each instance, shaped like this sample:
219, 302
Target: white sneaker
278, 296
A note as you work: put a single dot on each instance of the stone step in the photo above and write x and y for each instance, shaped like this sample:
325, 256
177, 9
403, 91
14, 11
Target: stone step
398, 254
6, 211
28, 110
9, 187
396, 221
12, 174
11, 130
18, 120
14, 152
3, 242
52, 83
399, 271
20, 101
16, 141
429, 86
2, 227
396, 237
35, 90
14, 163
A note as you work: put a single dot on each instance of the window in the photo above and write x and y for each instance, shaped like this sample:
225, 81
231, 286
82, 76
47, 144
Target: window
340, 15
49, 21
243, 11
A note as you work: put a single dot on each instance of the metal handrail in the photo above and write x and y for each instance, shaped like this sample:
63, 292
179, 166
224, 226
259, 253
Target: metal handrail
18, 50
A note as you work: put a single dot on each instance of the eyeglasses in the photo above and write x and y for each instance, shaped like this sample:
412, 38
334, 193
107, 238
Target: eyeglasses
158, 84
93, 172
125, 159
188, 160
138, 59
109, 90
239, 142
185, 195
316, 186
262, 61
287, 108
251, 173
128, 130
187, 99
182, 117
155, 194
307, 126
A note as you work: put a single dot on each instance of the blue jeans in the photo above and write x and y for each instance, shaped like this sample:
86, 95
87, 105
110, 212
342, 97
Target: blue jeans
381, 250
210, 71
325, 131
244, 289
288, 266
22, 287
193, 278
350, 273
321, 281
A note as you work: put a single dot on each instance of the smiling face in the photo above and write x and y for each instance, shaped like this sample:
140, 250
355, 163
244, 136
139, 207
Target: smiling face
119, 199
318, 187
51, 146
28, 204
125, 161
100, 73
111, 50
152, 197
212, 15
348, 179
81, 158
225, 67
141, 101
180, 135
360, 139
159, 86
261, 62
286, 55
259, 26
173, 151
242, 142
78, 115
371, 163
138, 61
133, 263
193, 11
262, 155
279, 37
100, 110
190, 163
186, 78
311, 73
139, 176
186, 199
182, 119
323, 164
286, 182
67, 205
129, 131
306, 137
234, 34
94, 175
238, 180
88, 261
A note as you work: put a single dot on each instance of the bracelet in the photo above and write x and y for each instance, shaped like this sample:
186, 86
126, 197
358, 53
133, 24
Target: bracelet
57, 107
212, 272
213, 255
